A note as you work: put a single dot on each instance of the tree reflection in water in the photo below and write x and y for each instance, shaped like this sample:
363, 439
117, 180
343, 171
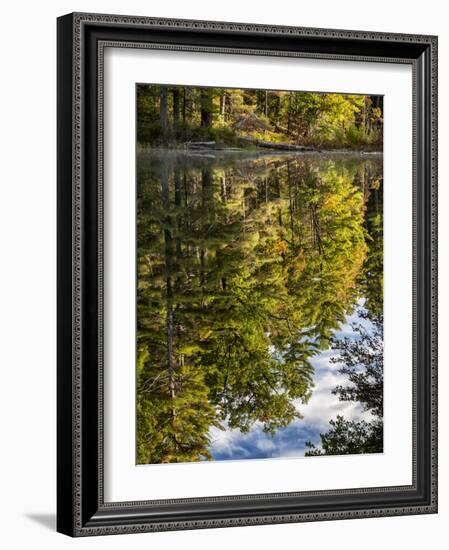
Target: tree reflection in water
247, 264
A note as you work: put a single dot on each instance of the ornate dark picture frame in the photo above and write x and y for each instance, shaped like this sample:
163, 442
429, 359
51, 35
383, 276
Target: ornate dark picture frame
81, 509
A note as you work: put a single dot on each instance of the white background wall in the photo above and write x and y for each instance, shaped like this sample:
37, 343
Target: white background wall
28, 267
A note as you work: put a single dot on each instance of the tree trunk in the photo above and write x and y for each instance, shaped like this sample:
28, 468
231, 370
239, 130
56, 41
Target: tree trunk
175, 108
206, 108
170, 365
277, 107
289, 119
290, 204
178, 202
223, 105
224, 194
163, 108
169, 289
206, 195
184, 107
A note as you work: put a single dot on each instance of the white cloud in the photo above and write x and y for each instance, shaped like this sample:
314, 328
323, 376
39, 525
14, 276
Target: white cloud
323, 405
321, 408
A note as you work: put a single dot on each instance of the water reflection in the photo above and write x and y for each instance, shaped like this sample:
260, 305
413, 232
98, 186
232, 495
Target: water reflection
249, 266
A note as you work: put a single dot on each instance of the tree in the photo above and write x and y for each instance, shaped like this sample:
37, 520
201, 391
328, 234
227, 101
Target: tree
362, 360
371, 280
349, 437
308, 118
175, 107
206, 107
174, 411
244, 271
173, 421
163, 108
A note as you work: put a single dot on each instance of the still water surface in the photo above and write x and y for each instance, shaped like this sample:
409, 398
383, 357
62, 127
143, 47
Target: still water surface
249, 266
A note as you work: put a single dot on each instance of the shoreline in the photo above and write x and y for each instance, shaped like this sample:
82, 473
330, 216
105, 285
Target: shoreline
256, 151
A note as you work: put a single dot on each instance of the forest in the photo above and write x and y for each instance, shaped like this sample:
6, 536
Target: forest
247, 264
189, 117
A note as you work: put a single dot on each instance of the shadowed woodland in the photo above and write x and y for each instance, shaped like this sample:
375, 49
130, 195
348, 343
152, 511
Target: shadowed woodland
217, 118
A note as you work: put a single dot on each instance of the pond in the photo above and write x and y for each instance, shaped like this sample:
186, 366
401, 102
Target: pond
259, 304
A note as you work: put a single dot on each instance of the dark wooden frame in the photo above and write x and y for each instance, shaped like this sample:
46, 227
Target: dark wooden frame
81, 509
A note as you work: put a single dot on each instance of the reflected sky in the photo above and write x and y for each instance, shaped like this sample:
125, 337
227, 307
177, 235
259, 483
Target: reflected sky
321, 408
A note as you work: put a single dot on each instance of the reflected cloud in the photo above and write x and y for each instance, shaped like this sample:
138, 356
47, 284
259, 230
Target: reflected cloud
322, 407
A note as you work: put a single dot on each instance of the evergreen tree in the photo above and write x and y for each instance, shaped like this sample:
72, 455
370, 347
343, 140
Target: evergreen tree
243, 275
362, 360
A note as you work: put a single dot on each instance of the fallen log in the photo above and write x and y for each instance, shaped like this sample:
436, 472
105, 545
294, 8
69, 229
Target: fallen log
199, 144
283, 146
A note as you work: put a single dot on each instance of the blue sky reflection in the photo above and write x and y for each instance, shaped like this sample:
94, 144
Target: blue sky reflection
322, 407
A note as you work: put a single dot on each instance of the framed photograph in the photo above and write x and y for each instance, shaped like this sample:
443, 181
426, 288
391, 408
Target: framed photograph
247, 282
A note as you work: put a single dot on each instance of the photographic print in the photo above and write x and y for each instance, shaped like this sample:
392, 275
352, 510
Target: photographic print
227, 283
259, 274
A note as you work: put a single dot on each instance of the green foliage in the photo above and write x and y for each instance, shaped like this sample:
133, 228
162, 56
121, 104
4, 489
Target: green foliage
172, 429
245, 269
347, 437
362, 362
171, 116
372, 280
